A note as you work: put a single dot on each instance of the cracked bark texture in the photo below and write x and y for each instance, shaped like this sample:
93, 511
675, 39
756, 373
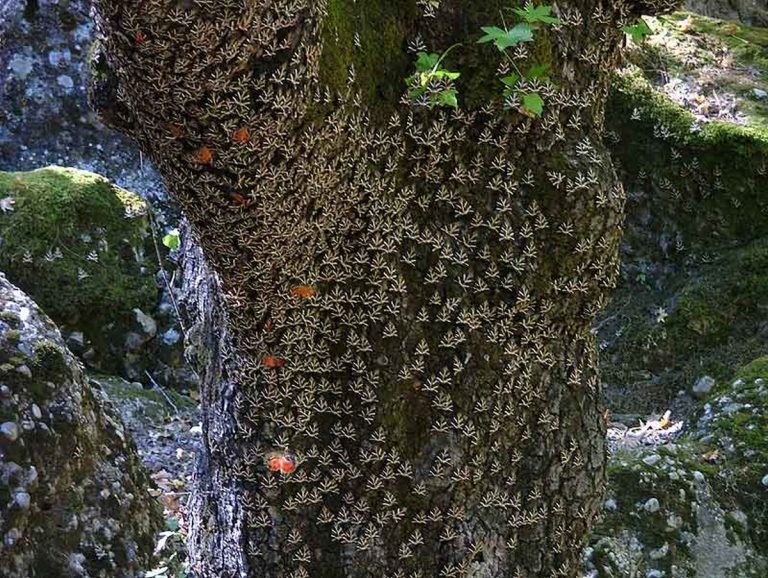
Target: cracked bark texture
403, 296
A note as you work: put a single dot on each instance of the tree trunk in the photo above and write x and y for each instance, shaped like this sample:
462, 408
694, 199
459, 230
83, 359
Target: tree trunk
404, 382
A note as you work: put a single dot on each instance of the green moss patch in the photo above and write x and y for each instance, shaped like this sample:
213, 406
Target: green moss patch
144, 404
704, 320
372, 37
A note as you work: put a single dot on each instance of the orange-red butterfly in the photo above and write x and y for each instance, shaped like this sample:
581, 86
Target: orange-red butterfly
241, 135
285, 463
205, 155
303, 292
140, 37
272, 362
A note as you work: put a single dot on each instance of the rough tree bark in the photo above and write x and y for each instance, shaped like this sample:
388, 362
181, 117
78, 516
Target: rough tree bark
406, 294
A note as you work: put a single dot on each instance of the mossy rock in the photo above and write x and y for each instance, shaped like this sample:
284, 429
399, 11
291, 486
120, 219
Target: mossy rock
701, 184
650, 510
696, 506
79, 245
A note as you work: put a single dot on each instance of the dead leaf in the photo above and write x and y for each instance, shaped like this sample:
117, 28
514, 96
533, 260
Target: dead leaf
711, 457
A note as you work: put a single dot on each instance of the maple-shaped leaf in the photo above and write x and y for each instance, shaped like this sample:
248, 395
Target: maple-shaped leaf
638, 31
537, 14
504, 39
426, 61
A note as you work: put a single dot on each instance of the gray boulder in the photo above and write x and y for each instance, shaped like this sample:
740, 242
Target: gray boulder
73, 495
753, 12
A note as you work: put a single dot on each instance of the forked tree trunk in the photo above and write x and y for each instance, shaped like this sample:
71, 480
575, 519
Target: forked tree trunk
407, 293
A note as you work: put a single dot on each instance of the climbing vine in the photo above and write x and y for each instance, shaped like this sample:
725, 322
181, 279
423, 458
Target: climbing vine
433, 85
433, 82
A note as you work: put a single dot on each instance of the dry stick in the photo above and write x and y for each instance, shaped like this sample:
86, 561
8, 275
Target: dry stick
161, 390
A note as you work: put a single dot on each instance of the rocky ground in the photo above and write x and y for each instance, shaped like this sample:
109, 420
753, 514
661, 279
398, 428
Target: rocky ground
716, 69
166, 429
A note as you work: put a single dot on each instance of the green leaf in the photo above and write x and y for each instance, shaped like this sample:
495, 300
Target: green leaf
439, 74
537, 14
533, 103
504, 39
510, 80
172, 240
638, 31
426, 61
449, 98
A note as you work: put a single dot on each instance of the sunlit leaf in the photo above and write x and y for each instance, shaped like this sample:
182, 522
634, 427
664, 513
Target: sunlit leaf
504, 39
172, 240
533, 103
638, 31
537, 14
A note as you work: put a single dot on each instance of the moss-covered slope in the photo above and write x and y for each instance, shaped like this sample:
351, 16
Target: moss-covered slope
694, 292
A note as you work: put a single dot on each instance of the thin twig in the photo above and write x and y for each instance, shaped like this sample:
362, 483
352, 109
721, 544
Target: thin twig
162, 391
153, 226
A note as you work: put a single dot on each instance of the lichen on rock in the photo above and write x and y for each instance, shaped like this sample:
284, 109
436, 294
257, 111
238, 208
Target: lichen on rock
73, 494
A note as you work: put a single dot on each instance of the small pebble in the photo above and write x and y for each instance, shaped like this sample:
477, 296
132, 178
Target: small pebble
11, 537
659, 552
25, 371
65, 82
651, 460
22, 499
10, 430
652, 505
